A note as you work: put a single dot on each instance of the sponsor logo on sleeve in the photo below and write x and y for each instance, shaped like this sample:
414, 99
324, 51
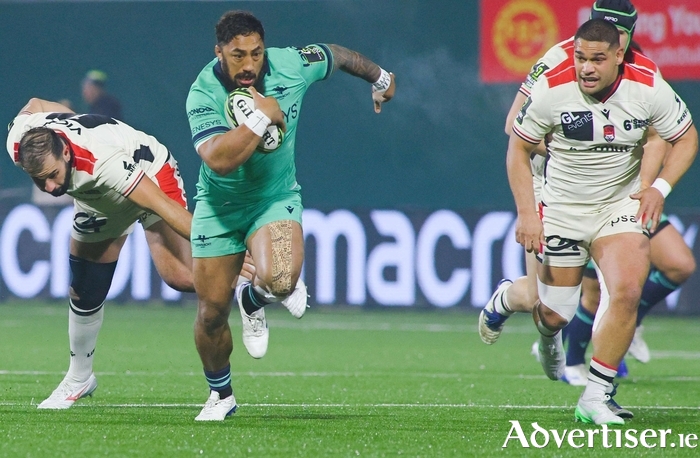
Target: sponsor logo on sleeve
537, 70
311, 55
523, 110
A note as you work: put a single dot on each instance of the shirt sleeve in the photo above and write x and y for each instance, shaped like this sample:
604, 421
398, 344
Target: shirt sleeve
315, 62
669, 115
205, 116
534, 120
553, 57
120, 173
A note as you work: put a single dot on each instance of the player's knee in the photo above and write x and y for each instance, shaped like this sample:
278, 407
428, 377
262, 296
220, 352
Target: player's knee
551, 319
559, 304
89, 284
212, 316
681, 270
180, 280
626, 295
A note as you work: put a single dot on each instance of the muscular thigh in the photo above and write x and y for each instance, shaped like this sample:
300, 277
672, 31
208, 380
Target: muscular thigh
623, 259
214, 276
277, 249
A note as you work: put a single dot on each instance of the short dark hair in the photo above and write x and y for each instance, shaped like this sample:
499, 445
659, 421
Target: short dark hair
599, 30
236, 22
36, 144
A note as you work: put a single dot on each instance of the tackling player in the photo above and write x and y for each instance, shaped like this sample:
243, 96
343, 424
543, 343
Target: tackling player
117, 176
246, 198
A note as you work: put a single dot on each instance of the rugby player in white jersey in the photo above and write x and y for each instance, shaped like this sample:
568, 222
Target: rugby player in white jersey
595, 113
117, 176
672, 260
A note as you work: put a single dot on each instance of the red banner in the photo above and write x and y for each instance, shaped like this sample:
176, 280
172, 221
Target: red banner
515, 33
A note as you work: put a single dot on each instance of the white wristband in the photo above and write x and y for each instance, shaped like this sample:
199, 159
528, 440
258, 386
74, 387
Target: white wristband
258, 123
383, 83
663, 186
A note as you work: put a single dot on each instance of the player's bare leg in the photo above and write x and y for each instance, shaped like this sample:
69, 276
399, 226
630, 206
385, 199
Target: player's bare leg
213, 278
172, 256
510, 297
559, 290
623, 260
92, 267
277, 250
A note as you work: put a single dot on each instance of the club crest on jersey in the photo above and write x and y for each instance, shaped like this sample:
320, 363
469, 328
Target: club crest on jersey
609, 133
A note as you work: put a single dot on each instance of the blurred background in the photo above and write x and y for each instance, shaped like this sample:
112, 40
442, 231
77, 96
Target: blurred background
407, 208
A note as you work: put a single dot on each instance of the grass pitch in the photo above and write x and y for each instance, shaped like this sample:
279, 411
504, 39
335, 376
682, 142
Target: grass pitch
345, 382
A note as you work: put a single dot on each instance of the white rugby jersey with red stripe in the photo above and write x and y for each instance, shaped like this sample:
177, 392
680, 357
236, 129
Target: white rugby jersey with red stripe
564, 51
595, 151
110, 157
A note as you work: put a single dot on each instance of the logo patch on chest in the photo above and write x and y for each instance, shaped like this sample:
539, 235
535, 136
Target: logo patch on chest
577, 125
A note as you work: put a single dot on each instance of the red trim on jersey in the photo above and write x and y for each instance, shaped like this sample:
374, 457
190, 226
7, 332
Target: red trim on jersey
131, 188
643, 61
615, 85
15, 148
561, 74
681, 133
638, 75
568, 47
169, 184
525, 136
84, 160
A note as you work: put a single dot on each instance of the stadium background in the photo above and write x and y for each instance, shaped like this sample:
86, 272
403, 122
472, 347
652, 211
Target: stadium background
409, 208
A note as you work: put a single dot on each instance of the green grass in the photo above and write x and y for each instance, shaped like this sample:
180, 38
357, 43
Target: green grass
336, 383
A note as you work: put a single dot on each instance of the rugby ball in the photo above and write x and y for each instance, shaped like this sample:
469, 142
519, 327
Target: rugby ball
239, 106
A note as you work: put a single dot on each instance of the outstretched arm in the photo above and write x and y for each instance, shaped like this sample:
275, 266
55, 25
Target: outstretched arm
149, 196
36, 105
354, 63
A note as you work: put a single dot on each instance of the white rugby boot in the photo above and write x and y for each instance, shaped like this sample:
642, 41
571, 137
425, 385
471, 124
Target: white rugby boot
216, 409
68, 392
575, 375
639, 349
297, 302
255, 331
552, 356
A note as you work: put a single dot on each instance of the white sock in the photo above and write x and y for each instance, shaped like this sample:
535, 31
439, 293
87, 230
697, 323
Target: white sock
82, 337
500, 303
600, 377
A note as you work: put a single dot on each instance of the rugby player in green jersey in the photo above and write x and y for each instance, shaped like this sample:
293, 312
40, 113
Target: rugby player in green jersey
247, 199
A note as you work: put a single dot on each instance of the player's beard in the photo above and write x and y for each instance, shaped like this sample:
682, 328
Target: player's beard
259, 84
58, 192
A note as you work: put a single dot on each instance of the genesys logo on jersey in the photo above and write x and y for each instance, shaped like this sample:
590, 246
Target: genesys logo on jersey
609, 133
577, 125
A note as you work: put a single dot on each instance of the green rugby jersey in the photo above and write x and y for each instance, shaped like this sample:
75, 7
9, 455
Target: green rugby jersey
287, 74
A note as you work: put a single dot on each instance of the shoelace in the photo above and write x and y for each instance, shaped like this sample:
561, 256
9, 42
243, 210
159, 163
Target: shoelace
256, 323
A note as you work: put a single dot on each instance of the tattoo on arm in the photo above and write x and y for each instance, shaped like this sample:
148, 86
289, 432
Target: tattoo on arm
354, 63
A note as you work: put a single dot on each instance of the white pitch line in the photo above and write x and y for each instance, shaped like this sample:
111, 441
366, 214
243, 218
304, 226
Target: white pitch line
351, 406
434, 375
